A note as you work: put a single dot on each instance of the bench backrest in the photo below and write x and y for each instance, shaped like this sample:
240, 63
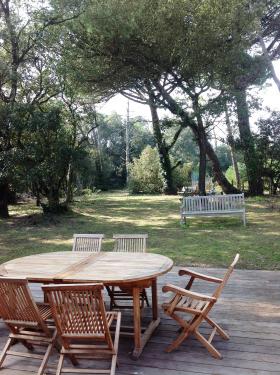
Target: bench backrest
213, 203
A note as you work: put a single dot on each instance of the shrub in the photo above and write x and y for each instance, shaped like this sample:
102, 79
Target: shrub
145, 174
182, 175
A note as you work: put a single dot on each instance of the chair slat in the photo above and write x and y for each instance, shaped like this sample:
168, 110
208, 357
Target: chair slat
132, 243
87, 242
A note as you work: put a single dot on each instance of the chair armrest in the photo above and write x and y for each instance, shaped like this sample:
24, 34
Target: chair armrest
196, 275
187, 293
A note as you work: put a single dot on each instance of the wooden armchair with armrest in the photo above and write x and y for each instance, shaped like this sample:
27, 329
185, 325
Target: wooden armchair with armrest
196, 307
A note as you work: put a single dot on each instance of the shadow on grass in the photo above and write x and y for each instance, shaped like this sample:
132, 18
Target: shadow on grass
207, 241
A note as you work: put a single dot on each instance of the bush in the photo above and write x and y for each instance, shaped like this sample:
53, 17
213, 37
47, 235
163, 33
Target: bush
145, 174
182, 175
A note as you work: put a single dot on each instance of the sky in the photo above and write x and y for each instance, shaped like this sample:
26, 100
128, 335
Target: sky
269, 95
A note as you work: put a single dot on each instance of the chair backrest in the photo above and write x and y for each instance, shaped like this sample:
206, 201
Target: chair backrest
221, 286
79, 311
17, 307
87, 242
131, 243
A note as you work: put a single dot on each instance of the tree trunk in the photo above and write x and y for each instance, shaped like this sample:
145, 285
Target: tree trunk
69, 188
53, 201
127, 143
226, 186
269, 63
177, 110
232, 150
201, 140
36, 193
202, 167
4, 197
163, 152
247, 144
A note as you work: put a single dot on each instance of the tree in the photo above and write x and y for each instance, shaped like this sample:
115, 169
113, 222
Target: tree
139, 48
231, 143
44, 158
269, 36
146, 173
27, 74
245, 72
268, 147
108, 147
145, 96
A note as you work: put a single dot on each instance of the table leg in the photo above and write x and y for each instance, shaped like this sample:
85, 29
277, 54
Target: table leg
137, 322
154, 299
141, 339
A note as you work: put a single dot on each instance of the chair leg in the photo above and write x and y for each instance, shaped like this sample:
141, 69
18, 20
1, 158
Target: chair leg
112, 299
146, 298
115, 362
74, 360
114, 365
27, 345
174, 345
220, 331
211, 349
47, 356
5, 349
60, 364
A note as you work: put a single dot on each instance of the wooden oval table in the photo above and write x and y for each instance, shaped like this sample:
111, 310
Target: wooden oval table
133, 270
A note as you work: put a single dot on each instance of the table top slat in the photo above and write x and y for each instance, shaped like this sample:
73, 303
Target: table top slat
115, 267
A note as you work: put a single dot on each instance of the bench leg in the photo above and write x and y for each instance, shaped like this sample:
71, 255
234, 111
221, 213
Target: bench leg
183, 220
244, 219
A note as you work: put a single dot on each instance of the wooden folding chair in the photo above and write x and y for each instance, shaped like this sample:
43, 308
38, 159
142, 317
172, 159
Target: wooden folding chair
87, 242
26, 321
129, 243
83, 325
198, 307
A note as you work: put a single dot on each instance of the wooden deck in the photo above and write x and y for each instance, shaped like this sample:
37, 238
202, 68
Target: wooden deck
249, 310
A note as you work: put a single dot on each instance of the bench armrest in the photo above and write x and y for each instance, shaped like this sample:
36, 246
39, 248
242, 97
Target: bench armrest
187, 293
196, 275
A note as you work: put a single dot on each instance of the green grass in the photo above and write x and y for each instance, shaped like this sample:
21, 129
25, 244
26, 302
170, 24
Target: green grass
204, 242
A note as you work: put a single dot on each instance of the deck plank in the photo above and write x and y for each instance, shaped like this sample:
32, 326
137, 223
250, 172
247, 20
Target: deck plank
249, 310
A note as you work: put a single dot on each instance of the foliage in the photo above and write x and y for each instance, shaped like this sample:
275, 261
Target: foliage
28, 78
182, 175
106, 165
46, 152
145, 174
223, 153
230, 174
268, 148
165, 53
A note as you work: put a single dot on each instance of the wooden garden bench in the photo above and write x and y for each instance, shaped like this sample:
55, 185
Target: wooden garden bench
213, 205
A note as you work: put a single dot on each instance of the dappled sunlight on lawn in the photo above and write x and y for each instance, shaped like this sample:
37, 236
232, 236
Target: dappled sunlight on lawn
204, 241
57, 241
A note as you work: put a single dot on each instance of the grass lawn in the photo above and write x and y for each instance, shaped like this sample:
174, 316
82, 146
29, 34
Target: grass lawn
204, 242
